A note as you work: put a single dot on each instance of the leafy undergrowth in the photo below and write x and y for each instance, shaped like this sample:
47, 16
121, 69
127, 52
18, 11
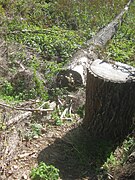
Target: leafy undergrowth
40, 37
122, 46
49, 33
65, 27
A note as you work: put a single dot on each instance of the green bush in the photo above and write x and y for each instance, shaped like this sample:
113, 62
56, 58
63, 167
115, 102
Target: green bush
44, 172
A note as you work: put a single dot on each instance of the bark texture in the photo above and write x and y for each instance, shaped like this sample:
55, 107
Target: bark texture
110, 99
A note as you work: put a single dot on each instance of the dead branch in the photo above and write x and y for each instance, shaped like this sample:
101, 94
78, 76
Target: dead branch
19, 118
64, 113
21, 66
43, 31
26, 109
2, 44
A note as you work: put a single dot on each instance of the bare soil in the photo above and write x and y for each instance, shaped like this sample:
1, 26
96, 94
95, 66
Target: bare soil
54, 146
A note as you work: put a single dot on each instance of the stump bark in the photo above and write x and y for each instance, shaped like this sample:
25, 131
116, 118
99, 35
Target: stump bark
110, 99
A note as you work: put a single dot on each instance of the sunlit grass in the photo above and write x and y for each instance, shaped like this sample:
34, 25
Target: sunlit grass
122, 46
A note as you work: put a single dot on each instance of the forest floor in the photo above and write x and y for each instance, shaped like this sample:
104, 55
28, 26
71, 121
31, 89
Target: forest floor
26, 138
54, 146
26, 141
67, 146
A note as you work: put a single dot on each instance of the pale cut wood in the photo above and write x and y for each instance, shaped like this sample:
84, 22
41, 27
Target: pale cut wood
112, 71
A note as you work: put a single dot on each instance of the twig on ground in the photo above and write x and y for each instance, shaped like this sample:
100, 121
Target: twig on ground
19, 118
26, 109
64, 113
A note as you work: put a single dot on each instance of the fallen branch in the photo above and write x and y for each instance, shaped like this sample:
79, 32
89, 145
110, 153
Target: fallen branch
11, 144
66, 119
64, 113
43, 31
18, 118
26, 109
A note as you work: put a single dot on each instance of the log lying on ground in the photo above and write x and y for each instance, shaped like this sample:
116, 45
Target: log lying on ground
110, 99
75, 72
105, 34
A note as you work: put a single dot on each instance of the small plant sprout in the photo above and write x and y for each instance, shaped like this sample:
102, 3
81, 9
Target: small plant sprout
44, 172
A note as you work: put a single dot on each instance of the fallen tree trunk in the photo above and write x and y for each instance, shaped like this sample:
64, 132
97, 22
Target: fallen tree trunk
110, 99
75, 72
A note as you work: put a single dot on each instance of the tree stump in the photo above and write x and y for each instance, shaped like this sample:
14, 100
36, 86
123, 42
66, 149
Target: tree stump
110, 99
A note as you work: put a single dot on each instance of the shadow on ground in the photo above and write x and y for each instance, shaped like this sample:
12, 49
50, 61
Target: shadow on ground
77, 156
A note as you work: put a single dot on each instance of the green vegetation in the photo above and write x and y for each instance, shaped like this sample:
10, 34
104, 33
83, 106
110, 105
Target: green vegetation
45, 172
47, 33
56, 118
53, 30
119, 157
66, 14
20, 91
122, 46
7, 88
35, 131
101, 156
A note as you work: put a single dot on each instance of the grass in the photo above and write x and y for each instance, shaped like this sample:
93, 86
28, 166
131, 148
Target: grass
122, 46
63, 26
55, 30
